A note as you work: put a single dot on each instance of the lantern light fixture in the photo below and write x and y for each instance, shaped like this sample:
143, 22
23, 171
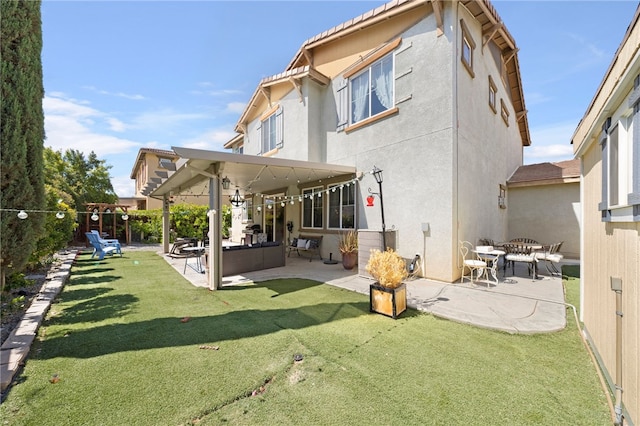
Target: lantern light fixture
236, 200
225, 182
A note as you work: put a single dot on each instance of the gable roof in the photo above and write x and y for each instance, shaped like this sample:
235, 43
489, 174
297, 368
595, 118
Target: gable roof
493, 29
159, 152
546, 173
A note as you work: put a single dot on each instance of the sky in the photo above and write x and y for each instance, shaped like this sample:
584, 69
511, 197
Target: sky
124, 75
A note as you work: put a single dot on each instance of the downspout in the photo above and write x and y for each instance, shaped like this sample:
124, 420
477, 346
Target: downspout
454, 127
616, 285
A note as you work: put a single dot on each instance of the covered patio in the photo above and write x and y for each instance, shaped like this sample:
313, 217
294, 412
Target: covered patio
219, 175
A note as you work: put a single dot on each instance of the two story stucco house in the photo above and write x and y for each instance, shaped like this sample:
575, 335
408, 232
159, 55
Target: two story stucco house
607, 141
427, 91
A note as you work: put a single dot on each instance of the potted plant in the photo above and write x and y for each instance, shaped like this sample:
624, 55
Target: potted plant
348, 246
388, 295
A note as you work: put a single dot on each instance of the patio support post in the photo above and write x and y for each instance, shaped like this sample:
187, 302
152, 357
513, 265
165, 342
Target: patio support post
165, 223
215, 233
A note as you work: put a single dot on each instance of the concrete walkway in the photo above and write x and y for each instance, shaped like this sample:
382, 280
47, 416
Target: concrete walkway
518, 304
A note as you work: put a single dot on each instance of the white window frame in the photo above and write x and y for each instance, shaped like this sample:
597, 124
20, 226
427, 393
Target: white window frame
313, 197
247, 210
620, 145
367, 73
271, 131
344, 191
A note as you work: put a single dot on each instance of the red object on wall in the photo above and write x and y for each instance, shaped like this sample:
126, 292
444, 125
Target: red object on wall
370, 201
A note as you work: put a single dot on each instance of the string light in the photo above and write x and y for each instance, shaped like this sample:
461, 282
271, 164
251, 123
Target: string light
22, 215
60, 215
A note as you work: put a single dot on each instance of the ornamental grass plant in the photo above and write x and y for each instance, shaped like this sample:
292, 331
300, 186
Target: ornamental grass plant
130, 342
387, 267
348, 242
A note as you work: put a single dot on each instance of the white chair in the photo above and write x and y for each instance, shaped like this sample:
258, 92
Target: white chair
551, 254
520, 253
470, 261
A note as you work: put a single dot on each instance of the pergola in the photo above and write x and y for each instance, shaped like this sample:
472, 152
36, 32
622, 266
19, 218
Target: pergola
104, 214
203, 171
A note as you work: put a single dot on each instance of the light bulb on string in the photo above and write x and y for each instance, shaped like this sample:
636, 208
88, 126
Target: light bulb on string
60, 215
95, 217
282, 204
125, 217
22, 215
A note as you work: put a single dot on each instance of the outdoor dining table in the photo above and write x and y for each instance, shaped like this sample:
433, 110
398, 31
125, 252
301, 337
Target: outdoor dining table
491, 256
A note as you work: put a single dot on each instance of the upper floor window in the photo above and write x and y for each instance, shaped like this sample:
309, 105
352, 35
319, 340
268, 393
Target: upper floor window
504, 111
271, 130
312, 208
342, 206
372, 90
238, 149
466, 49
493, 90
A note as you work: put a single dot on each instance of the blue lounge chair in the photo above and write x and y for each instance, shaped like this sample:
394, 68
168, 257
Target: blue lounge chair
102, 249
108, 242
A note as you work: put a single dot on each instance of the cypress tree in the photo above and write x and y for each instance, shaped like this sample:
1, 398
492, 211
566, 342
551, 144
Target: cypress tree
21, 132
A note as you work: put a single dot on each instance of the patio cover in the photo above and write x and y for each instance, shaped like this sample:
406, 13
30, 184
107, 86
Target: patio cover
202, 171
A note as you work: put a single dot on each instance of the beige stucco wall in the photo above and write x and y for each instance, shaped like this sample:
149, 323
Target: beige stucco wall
444, 154
547, 213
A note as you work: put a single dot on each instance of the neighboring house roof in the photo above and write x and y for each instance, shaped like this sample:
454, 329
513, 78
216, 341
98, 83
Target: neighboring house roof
237, 138
492, 27
159, 152
546, 173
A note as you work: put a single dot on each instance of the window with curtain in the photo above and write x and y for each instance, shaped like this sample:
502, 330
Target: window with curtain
342, 206
372, 90
312, 207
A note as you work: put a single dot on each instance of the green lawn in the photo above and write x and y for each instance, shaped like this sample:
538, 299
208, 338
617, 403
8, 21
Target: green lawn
123, 356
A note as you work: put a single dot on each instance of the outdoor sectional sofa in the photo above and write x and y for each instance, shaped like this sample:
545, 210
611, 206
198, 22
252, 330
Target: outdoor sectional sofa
252, 257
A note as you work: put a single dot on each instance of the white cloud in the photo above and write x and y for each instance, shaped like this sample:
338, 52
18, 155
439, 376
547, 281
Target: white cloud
551, 143
116, 125
236, 107
71, 125
123, 185
165, 119
212, 140
135, 97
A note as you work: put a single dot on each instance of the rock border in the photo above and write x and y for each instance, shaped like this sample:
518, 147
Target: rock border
15, 348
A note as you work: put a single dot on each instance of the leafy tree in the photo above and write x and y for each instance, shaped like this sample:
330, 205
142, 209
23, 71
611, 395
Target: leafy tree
58, 231
86, 180
21, 132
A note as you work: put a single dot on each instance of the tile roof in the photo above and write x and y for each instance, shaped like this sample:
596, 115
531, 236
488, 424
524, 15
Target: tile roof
563, 171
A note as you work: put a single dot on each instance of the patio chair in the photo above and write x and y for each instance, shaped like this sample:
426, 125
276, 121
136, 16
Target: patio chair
99, 248
551, 254
524, 240
109, 242
470, 261
177, 249
520, 253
